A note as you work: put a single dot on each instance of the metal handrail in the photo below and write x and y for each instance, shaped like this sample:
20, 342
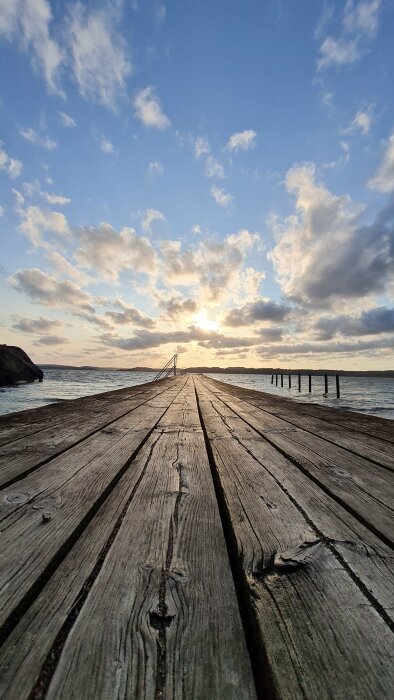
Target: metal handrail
169, 367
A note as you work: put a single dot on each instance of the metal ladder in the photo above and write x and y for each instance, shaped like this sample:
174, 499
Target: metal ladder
168, 368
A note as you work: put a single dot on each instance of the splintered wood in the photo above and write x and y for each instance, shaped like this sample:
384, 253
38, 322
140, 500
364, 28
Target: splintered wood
192, 539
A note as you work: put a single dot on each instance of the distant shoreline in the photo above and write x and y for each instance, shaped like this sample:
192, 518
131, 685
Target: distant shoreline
232, 370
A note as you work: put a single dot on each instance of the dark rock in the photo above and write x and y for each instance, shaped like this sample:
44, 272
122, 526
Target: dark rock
16, 367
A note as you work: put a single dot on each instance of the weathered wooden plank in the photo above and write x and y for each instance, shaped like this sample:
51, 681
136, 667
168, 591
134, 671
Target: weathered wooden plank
351, 420
20, 424
372, 448
21, 456
162, 619
322, 635
368, 558
32, 641
364, 487
70, 489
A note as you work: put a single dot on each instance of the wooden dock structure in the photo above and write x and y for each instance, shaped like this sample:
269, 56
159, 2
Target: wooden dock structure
190, 539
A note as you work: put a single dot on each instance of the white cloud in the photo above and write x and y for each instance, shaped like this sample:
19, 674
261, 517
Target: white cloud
44, 289
110, 253
38, 138
12, 166
28, 22
35, 222
383, 180
147, 108
323, 255
196, 229
362, 17
213, 168
66, 121
35, 325
160, 12
242, 141
1, 211
201, 147
106, 146
55, 198
221, 196
64, 268
359, 26
151, 215
155, 168
98, 54
338, 52
361, 122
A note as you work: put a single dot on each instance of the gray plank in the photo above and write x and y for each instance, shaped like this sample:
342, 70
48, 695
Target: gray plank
75, 421
69, 488
364, 487
322, 635
162, 619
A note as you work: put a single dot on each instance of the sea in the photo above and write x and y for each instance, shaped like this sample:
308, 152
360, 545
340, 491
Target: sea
369, 395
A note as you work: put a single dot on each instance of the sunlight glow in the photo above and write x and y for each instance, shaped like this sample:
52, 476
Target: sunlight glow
206, 324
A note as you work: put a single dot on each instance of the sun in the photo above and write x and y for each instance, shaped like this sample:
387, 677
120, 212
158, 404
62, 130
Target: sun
206, 324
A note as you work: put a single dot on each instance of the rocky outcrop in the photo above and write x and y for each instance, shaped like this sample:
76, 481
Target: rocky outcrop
16, 366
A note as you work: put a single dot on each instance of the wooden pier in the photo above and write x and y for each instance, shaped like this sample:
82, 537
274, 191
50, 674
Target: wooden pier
190, 539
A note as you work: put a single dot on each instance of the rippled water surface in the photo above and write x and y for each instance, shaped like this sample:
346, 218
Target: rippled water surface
374, 395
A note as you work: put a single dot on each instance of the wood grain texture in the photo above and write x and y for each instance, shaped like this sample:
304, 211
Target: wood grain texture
162, 619
322, 636
364, 487
69, 488
78, 422
366, 556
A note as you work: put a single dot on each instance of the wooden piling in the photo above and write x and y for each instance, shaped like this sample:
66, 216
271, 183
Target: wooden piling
272, 378
289, 381
281, 380
276, 380
299, 381
337, 386
310, 383
325, 384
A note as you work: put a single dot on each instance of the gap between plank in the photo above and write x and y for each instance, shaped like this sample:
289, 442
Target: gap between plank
62, 552
28, 471
310, 432
323, 487
262, 676
329, 542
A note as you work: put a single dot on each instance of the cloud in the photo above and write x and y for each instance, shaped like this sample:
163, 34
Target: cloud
383, 180
97, 54
110, 252
65, 269
147, 108
323, 254
145, 339
55, 198
260, 310
326, 348
12, 166
176, 307
362, 121
196, 229
66, 121
106, 146
213, 168
371, 322
360, 23
44, 289
130, 317
151, 215
38, 138
221, 196
160, 12
214, 265
35, 222
155, 168
1, 211
51, 340
201, 147
242, 141
28, 22
35, 325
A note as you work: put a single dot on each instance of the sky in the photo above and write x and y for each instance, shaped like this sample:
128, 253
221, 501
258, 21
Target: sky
213, 178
